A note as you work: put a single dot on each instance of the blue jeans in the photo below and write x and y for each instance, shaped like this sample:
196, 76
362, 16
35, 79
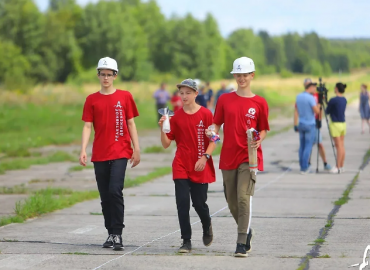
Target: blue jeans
306, 140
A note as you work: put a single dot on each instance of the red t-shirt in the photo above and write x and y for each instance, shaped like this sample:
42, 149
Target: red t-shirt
109, 115
188, 130
176, 103
239, 114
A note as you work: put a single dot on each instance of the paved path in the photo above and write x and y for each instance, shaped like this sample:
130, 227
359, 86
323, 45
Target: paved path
290, 210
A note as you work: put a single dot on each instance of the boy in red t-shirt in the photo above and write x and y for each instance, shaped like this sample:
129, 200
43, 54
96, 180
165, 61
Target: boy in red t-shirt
239, 111
192, 167
111, 112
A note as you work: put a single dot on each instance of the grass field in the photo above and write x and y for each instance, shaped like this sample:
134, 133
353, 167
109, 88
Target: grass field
51, 114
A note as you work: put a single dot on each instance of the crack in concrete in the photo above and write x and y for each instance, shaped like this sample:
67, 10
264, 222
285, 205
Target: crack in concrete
324, 231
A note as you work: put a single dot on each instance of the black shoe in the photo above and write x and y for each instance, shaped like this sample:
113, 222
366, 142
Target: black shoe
240, 251
186, 247
208, 236
109, 242
248, 246
117, 242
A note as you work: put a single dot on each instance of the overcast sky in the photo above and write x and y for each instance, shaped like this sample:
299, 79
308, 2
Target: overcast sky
329, 18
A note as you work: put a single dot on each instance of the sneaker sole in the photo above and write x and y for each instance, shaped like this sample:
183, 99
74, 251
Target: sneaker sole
240, 255
107, 246
184, 251
253, 232
118, 248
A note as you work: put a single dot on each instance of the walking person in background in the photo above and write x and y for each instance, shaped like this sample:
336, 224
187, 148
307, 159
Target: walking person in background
220, 92
161, 97
210, 98
111, 112
306, 108
176, 101
336, 109
201, 98
364, 107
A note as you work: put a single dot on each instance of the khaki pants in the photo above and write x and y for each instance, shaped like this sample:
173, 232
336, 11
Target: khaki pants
239, 189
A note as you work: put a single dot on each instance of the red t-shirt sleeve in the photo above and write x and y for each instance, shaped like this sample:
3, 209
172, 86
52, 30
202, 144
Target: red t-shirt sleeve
88, 113
219, 112
131, 109
263, 123
171, 134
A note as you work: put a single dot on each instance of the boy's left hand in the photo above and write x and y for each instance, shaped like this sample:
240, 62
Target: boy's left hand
201, 164
135, 159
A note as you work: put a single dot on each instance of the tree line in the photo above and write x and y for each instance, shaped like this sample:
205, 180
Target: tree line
66, 41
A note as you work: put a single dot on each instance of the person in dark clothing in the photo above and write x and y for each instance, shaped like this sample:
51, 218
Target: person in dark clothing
161, 97
336, 109
201, 98
364, 107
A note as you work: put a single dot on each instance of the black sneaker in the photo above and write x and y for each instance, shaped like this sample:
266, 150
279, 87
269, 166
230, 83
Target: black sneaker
109, 242
248, 246
208, 236
186, 247
117, 242
240, 251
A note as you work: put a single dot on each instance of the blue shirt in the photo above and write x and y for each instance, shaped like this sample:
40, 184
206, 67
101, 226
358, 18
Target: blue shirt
336, 108
219, 93
201, 100
161, 96
305, 102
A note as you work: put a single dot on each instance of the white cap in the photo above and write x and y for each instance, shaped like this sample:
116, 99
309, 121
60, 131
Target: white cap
198, 82
231, 86
107, 63
243, 65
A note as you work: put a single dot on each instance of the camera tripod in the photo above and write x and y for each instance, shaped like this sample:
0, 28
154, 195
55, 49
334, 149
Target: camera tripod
322, 108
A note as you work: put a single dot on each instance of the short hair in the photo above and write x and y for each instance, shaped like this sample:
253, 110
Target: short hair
114, 72
341, 87
364, 86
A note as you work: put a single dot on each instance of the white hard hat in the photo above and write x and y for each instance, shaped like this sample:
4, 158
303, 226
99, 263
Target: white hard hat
107, 63
243, 65
231, 86
198, 82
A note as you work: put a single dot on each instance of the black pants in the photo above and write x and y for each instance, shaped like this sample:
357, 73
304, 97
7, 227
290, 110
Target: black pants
184, 189
160, 106
110, 177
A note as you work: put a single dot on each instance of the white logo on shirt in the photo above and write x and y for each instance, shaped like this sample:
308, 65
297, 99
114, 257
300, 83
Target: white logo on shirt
118, 120
200, 133
200, 124
252, 111
118, 105
364, 261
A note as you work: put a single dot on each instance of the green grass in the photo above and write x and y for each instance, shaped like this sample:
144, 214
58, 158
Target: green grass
18, 189
158, 172
154, 149
24, 162
96, 214
319, 241
345, 197
46, 201
80, 168
326, 256
25, 126
51, 199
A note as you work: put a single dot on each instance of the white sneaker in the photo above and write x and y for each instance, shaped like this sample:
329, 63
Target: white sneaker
341, 170
335, 170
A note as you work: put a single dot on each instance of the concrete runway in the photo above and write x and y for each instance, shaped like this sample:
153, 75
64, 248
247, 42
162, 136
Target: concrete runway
289, 212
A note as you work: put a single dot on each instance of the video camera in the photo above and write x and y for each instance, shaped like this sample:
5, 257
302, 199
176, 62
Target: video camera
323, 92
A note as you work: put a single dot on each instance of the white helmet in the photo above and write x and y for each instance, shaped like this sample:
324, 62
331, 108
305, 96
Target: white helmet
198, 82
243, 65
107, 63
231, 87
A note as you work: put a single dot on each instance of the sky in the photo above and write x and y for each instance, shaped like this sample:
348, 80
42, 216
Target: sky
328, 18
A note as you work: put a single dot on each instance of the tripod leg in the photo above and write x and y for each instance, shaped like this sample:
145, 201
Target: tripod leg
331, 138
318, 150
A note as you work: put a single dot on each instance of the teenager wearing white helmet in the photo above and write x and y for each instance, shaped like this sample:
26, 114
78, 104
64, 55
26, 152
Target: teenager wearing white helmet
239, 111
111, 111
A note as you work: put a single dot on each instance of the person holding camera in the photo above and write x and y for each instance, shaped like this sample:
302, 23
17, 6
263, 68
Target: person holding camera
336, 109
306, 108
318, 136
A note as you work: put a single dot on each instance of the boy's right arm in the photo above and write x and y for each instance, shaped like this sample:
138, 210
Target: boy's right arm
86, 131
166, 142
